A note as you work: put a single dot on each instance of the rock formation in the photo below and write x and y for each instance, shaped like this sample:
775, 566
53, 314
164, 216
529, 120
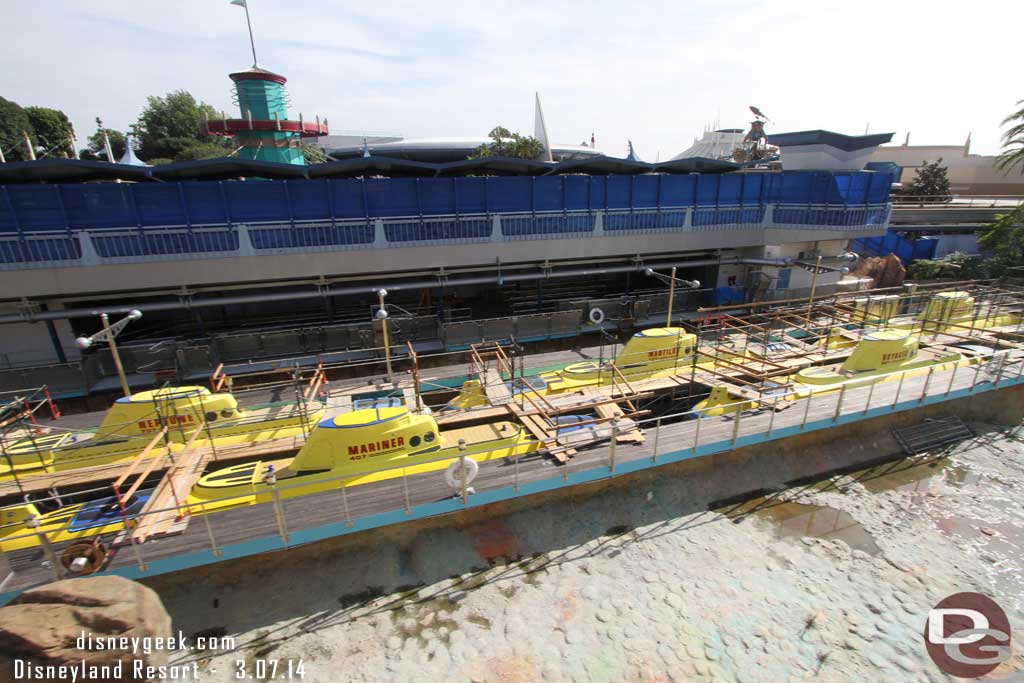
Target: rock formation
886, 271
45, 625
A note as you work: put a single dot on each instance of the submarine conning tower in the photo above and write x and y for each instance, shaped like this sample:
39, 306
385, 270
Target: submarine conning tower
264, 130
657, 347
880, 349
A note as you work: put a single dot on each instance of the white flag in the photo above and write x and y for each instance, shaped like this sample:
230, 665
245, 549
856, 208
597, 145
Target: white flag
240, 3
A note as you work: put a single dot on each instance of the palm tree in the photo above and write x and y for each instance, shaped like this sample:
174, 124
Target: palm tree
1013, 142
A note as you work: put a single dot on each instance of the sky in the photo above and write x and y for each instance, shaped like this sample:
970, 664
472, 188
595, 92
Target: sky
652, 72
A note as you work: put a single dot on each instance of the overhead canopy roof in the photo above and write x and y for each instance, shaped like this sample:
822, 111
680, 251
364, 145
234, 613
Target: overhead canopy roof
68, 171
602, 165
225, 168
371, 165
696, 165
847, 143
493, 166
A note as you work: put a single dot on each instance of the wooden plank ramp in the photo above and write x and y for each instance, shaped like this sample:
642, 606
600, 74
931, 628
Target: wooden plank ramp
168, 500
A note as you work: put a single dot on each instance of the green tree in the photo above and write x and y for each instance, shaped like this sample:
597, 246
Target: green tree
52, 129
1002, 241
1012, 155
931, 182
313, 154
95, 152
508, 144
14, 122
170, 124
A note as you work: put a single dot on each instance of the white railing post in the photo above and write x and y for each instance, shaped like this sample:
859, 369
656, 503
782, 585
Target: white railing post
32, 523
952, 377
736, 426
927, 381
657, 433
405, 492
696, 434
807, 409
871, 391
899, 387
771, 420
839, 403
209, 532
999, 374
515, 471
611, 451
344, 505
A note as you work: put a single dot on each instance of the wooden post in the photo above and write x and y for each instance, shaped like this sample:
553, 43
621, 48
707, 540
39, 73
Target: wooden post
814, 285
117, 358
671, 296
771, 419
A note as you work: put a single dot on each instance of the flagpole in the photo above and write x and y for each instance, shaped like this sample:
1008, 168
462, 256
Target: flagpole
252, 43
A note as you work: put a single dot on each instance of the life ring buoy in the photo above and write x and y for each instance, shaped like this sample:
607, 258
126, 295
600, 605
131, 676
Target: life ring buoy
84, 557
596, 316
453, 475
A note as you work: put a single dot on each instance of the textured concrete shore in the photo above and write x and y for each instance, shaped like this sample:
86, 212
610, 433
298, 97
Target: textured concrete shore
831, 581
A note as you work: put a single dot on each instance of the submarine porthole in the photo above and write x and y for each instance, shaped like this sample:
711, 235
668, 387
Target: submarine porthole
428, 437
227, 412
211, 416
414, 441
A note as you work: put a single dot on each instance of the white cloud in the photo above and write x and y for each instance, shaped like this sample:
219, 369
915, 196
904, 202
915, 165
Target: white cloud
652, 72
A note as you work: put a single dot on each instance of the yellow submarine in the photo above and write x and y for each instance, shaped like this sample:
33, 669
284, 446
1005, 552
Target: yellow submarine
130, 424
881, 356
656, 352
342, 451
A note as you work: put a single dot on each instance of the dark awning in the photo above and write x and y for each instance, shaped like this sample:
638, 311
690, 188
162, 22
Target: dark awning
493, 166
602, 165
69, 171
226, 168
696, 165
371, 165
847, 143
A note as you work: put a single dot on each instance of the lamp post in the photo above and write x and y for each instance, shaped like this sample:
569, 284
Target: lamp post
108, 333
382, 316
671, 279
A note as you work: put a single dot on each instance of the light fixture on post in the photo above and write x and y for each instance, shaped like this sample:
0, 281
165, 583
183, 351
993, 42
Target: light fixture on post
671, 279
108, 334
382, 316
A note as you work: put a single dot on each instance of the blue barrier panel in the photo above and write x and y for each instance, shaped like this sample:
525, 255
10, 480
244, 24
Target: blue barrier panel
437, 195
38, 207
288, 238
93, 206
678, 190
472, 195
547, 194
160, 203
204, 202
310, 199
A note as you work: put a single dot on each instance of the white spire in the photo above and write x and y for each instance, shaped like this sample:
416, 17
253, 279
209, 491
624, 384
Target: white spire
540, 129
129, 158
